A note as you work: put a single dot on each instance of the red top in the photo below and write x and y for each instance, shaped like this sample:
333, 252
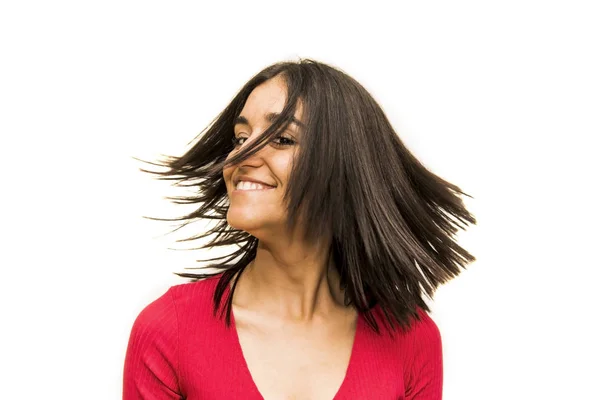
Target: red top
179, 350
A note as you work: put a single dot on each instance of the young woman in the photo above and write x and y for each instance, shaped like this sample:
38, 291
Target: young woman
340, 233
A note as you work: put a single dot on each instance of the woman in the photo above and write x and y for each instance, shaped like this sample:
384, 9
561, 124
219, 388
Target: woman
340, 233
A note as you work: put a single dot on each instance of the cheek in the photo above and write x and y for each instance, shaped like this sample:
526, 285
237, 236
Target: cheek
227, 172
282, 166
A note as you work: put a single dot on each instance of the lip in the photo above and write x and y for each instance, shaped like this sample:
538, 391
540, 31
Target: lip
252, 190
240, 191
249, 179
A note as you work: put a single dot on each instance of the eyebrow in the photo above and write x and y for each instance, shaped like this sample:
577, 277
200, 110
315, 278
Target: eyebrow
271, 117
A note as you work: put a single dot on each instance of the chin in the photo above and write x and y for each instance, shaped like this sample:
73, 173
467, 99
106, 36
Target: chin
249, 222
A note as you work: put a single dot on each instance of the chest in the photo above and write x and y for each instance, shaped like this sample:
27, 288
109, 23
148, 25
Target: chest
291, 361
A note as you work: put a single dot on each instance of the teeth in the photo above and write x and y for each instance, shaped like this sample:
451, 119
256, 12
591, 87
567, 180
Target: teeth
244, 185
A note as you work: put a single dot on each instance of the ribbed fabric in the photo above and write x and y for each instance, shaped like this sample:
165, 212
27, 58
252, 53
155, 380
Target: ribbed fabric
179, 350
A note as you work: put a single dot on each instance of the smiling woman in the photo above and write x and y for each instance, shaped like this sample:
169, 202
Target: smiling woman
256, 190
340, 231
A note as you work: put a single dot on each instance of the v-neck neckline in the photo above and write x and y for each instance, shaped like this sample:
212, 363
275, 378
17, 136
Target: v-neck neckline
349, 369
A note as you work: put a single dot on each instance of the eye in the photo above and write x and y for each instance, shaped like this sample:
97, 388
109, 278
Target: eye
236, 141
279, 141
283, 141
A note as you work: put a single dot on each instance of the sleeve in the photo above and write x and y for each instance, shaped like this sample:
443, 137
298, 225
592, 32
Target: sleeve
425, 371
151, 360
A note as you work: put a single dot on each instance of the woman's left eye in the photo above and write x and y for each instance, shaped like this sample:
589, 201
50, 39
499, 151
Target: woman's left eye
283, 141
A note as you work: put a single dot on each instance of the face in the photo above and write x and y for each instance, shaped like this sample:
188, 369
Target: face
256, 185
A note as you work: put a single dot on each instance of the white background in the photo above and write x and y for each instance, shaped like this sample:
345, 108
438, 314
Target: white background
501, 98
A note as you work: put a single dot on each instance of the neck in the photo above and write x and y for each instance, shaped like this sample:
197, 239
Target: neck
292, 282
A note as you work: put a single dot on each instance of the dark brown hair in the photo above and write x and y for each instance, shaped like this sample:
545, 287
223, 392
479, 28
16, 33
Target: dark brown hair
393, 221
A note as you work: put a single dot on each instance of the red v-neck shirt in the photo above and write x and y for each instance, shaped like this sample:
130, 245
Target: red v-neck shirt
179, 350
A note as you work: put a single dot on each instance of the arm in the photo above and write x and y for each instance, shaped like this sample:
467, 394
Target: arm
425, 375
151, 361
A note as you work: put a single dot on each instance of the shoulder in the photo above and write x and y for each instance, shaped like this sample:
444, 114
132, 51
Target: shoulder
423, 373
171, 336
422, 339
422, 336
193, 303
414, 352
194, 294
421, 329
165, 313
161, 323
424, 330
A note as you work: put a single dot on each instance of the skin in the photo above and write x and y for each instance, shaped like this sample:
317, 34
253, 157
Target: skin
288, 308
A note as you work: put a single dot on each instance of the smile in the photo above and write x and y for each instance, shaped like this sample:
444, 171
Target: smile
246, 186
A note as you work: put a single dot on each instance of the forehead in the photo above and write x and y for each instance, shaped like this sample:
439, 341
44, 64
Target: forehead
266, 102
270, 95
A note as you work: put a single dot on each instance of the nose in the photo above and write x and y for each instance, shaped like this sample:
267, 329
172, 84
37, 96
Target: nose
255, 160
